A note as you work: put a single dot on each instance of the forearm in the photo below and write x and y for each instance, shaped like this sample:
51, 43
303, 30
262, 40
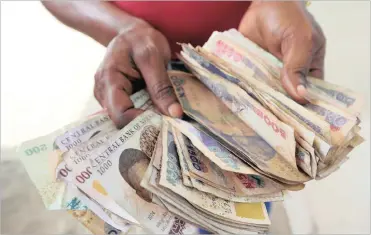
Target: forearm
100, 20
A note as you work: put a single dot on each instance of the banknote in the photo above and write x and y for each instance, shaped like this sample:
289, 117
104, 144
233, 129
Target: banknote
157, 152
340, 122
40, 158
304, 116
36, 156
123, 160
169, 202
304, 132
326, 169
77, 155
86, 203
301, 130
178, 205
208, 172
170, 178
307, 158
183, 162
279, 135
86, 137
140, 99
80, 168
75, 136
173, 200
210, 147
152, 184
215, 116
338, 96
77, 167
220, 48
209, 178
95, 224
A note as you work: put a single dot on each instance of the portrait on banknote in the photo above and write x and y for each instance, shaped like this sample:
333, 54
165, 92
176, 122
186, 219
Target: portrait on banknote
148, 139
132, 166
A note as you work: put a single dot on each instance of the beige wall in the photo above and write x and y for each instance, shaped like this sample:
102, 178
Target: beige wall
47, 79
341, 202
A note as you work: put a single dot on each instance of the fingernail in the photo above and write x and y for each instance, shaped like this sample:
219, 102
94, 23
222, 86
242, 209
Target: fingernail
302, 91
175, 110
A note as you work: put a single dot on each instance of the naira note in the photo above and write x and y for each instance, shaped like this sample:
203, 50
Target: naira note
215, 116
341, 97
37, 156
333, 131
180, 206
279, 135
170, 178
206, 176
123, 160
77, 167
206, 60
183, 162
93, 126
306, 118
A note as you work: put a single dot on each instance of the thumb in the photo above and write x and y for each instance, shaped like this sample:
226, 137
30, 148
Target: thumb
297, 57
153, 70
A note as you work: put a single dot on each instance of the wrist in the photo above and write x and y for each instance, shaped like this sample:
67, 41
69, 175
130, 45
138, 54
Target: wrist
131, 24
257, 3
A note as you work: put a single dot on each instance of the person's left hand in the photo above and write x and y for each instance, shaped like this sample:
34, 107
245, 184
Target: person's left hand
289, 32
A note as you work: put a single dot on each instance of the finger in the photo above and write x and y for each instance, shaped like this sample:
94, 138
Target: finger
297, 57
152, 67
117, 100
127, 67
121, 58
120, 108
318, 64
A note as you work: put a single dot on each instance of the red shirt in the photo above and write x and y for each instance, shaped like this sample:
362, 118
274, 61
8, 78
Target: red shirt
188, 22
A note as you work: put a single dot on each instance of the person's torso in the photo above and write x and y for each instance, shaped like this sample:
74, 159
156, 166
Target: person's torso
189, 22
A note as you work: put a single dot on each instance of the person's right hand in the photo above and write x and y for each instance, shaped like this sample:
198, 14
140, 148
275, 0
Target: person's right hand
143, 47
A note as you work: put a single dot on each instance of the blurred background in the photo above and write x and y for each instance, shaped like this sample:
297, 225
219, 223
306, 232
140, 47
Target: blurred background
47, 74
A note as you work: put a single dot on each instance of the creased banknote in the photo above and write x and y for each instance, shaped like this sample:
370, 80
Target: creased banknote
333, 131
224, 184
216, 117
183, 162
170, 178
341, 97
123, 160
178, 205
279, 135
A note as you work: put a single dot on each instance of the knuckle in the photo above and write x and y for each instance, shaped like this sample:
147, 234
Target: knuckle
105, 75
307, 37
98, 95
145, 52
162, 90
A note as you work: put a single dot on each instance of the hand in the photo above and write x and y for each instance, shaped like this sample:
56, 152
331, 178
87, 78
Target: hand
289, 32
137, 52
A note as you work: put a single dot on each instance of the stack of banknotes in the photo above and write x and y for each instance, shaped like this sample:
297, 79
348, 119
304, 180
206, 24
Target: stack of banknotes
242, 142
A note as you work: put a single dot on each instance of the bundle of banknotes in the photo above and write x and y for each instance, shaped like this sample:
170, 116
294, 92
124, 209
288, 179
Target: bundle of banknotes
242, 142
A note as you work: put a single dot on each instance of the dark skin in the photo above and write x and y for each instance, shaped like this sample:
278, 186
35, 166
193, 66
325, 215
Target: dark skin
285, 29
